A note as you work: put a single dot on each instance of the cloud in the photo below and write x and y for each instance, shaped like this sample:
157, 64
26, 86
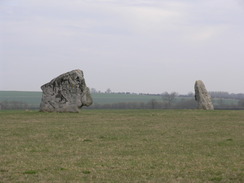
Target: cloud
203, 34
152, 20
139, 39
240, 2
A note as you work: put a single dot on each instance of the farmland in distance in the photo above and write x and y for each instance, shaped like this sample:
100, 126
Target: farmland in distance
31, 100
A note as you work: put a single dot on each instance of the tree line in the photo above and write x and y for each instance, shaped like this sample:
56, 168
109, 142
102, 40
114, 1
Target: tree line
152, 104
168, 100
221, 100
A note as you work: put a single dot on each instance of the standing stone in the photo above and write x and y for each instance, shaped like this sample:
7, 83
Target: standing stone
202, 96
66, 93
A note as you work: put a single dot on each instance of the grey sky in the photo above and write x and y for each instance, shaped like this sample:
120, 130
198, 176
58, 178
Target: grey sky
148, 46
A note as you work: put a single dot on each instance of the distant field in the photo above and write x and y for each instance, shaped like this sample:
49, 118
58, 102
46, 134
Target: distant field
105, 98
33, 99
122, 146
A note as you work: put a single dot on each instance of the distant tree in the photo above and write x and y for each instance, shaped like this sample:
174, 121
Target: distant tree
108, 90
219, 94
168, 98
93, 90
190, 94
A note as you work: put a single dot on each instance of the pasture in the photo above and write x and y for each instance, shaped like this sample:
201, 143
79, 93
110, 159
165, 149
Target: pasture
122, 146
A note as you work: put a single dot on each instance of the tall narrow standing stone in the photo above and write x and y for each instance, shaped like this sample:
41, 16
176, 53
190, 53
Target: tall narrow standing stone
66, 93
202, 96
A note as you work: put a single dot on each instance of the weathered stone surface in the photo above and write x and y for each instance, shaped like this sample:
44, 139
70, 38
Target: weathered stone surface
66, 93
202, 96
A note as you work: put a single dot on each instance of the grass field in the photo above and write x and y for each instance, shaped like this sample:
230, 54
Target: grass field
122, 146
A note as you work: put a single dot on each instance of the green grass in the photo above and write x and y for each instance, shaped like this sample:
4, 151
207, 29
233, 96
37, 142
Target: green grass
122, 146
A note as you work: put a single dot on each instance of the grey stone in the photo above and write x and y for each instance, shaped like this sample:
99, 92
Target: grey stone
202, 96
66, 93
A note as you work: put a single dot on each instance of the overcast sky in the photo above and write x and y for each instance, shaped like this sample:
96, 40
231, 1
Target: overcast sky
147, 46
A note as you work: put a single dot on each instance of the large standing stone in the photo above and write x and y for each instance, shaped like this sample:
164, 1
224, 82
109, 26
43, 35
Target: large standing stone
202, 96
66, 93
